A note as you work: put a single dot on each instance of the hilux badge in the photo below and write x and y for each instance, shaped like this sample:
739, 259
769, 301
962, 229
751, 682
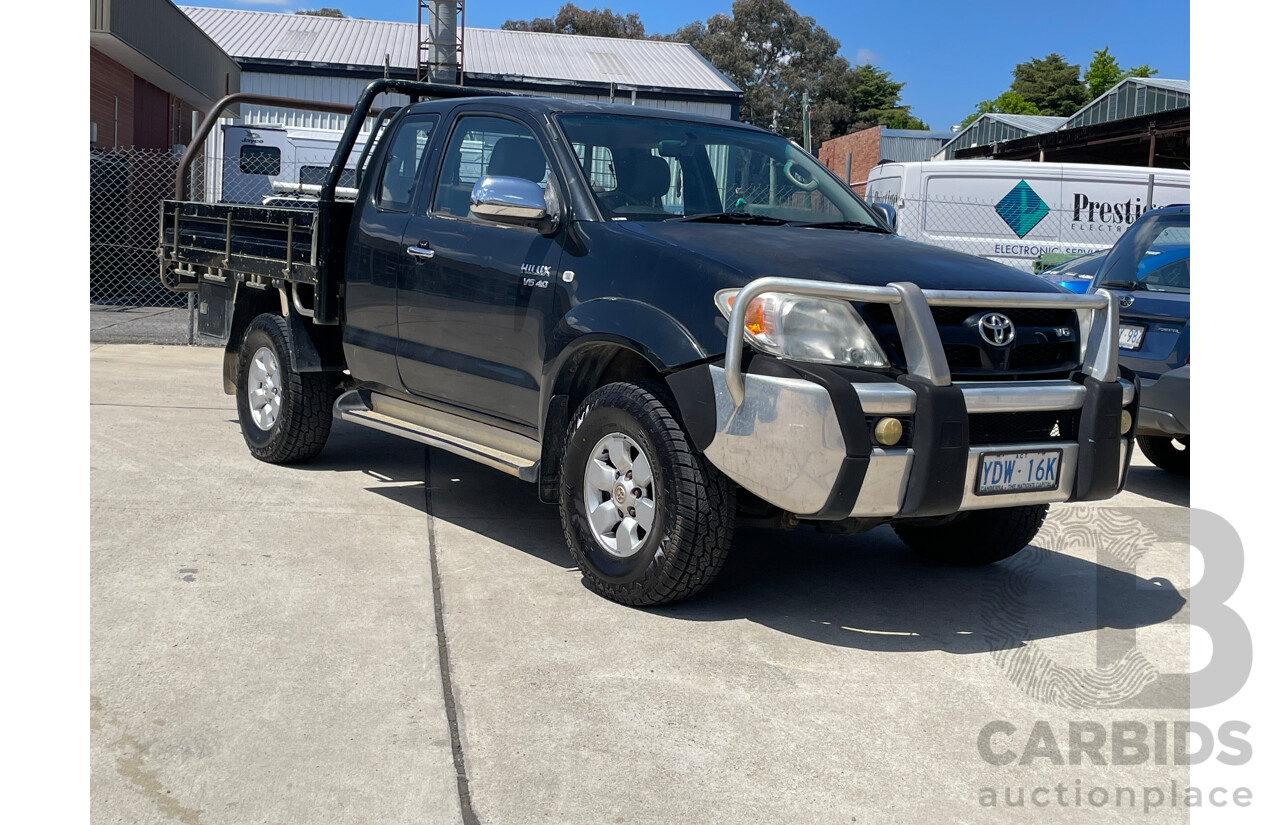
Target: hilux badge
996, 329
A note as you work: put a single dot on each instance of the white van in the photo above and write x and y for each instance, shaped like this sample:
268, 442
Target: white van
257, 156
1015, 211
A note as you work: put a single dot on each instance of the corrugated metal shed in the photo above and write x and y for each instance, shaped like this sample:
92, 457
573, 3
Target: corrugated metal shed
1132, 97
905, 145
550, 58
994, 127
1031, 124
644, 63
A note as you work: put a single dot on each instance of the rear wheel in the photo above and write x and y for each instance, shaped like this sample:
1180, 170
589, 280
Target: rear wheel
1169, 454
646, 518
285, 416
977, 537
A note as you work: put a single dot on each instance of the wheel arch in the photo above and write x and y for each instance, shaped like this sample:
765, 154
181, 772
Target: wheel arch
592, 361
311, 348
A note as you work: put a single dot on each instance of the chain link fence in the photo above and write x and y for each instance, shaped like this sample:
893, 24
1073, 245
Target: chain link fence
125, 190
127, 300
1024, 232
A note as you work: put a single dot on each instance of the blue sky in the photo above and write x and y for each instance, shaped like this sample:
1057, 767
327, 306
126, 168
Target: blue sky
949, 58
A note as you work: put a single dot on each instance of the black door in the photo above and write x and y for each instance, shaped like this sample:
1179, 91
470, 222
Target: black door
374, 260
473, 295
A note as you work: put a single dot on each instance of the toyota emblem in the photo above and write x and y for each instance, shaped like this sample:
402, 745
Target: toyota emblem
996, 329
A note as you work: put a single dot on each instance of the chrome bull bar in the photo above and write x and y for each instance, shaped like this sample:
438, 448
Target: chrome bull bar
1099, 315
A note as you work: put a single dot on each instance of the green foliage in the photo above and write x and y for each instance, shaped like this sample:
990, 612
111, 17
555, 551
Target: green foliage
774, 55
590, 22
1051, 84
1104, 72
324, 12
1008, 103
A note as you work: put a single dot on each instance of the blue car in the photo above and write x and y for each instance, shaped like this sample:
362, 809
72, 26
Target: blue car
1076, 275
1149, 268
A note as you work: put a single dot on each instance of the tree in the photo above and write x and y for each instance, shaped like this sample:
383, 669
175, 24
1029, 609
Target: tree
1104, 72
1008, 103
873, 99
590, 22
1051, 84
324, 12
775, 55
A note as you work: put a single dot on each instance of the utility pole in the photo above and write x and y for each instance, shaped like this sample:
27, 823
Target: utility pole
804, 107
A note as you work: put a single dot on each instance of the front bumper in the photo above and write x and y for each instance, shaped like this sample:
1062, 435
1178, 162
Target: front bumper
799, 436
1166, 404
795, 446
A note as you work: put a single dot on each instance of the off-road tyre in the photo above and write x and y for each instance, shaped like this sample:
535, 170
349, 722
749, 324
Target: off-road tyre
1173, 455
977, 537
692, 527
304, 416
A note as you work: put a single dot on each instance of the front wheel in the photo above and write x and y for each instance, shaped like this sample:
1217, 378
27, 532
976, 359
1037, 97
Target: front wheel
285, 416
1173, 455
977, 537
647, 519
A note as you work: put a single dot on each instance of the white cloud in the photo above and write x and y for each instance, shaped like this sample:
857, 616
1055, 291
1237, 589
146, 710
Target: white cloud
863, 56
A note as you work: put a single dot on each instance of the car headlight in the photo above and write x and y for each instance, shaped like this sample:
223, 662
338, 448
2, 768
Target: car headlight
820, 330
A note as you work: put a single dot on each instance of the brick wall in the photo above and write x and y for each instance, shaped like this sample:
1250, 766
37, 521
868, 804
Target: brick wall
862, 150
110, 82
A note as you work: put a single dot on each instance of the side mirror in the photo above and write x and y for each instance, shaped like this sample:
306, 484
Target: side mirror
890, 214
514, 201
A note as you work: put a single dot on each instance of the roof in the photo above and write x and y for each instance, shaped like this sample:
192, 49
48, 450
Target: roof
538, 105
922, 134
1162, 83
1131, 97
1032, 124
346, 42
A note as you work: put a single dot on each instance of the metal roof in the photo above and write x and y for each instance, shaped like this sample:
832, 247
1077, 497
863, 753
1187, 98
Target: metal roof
1131, 97
307, 39
919, 134
1031, 124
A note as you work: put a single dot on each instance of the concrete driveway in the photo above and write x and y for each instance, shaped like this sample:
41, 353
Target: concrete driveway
267, 647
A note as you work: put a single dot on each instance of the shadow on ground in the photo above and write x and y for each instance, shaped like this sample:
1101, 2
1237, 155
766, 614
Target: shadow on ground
866, 591
1154, 483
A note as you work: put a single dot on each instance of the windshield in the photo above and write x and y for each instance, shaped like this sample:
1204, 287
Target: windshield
1153, 256
645, 169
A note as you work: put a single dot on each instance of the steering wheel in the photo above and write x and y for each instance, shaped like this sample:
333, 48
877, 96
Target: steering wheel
807, 185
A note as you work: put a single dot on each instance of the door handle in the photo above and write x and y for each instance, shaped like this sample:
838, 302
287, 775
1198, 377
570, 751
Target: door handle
421, 252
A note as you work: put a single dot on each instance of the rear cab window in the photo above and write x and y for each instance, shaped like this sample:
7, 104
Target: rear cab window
398, 178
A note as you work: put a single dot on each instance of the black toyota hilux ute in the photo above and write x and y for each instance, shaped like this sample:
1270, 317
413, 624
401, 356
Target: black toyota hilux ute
669, 324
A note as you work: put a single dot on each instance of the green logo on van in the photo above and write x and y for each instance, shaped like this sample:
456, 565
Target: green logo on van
1022, 209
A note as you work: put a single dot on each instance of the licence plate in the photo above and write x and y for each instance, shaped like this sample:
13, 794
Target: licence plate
1019, 472
1131, 336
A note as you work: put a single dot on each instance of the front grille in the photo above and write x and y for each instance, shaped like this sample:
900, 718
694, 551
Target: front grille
1023, 427
1045, 345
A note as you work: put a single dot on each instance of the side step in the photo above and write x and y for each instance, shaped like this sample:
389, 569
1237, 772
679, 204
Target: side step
440, 429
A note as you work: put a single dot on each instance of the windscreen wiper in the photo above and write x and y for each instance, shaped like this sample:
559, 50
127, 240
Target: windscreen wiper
733, 217
855, 226
1133, 285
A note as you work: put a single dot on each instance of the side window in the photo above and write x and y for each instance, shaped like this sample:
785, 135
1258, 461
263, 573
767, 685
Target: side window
260, 160
319, 174
483, 146
406, 153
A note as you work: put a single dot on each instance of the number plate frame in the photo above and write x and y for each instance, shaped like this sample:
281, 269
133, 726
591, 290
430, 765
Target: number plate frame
1142, 334
982, 460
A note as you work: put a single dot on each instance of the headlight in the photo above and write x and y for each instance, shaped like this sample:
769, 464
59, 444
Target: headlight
821, 330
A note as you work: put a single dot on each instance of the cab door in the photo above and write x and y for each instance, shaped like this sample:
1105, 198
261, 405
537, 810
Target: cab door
474, 296
374, 252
